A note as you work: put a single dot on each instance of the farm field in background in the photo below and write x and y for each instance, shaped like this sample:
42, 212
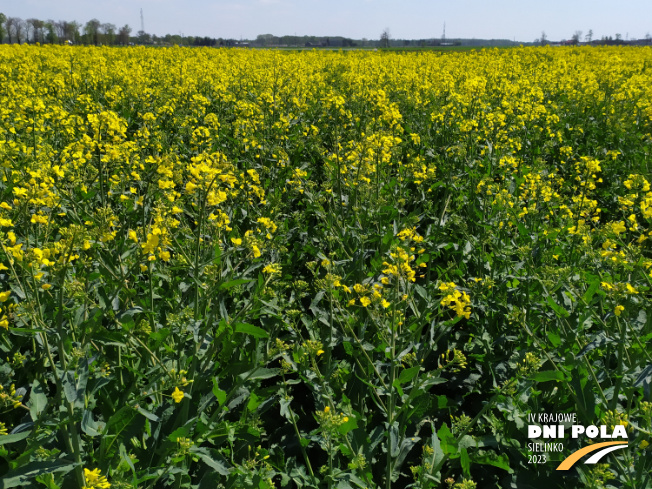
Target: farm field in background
233, 268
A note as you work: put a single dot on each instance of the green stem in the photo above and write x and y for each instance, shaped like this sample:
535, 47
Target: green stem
390, 404
619, 373
300, 438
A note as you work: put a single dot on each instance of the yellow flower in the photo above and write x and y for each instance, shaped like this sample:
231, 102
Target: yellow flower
236, 241
46, 286
618, 227
365, 301
327, 409
272, 269
95, 480
177, 395
618, 310
644, 444
384, 303
631, 290
4, 296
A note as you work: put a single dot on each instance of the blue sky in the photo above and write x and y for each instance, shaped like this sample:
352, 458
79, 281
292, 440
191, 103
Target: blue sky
407, 19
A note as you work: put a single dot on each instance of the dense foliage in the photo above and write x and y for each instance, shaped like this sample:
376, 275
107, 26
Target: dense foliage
226, 268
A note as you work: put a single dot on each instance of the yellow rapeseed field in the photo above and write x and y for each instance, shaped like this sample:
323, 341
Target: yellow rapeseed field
241, 268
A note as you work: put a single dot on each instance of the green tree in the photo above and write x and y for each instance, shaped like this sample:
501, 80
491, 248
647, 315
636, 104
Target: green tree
51, 36
544, 38
384, 38
123, 35
35, 26
70, 30
108, 33
92, 32
3, 19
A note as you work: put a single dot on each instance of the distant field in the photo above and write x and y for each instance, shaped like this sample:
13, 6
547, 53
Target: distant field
258, 268
371, 48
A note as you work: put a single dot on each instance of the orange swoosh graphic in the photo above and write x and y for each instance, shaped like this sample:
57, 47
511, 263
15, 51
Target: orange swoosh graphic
575, 456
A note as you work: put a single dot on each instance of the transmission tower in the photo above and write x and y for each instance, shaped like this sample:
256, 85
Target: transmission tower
142, 21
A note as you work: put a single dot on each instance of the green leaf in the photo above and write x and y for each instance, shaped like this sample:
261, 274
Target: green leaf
69, 386
429, 382
645, 377
125, 458
590, 292
74, 383
149, 415
260, 373
393, 440
119, 422
438, 453
442, 403
406, 445
181, 432
408, 374
641, 319
554, 339
47, 480
501, 461
447, 440
350, 425
211, 458
219, 394
599, 341
37, 400
548, 375
13, 438
234, 283
89, 425
560, 311
465, 462
583, 394
251, 330
21, 476
254, 402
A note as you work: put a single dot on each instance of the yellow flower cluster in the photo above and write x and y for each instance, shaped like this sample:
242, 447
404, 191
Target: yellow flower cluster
10, 398
95, 480
455, 299
330, 420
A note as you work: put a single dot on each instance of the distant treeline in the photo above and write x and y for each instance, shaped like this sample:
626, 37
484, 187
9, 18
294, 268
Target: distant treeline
16, 30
